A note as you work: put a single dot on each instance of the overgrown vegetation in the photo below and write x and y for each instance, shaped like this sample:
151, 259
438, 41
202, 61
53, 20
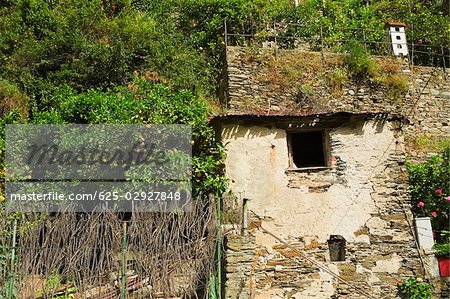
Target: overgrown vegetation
143, 61
425, 143
317, 79
442, 249
413, 288
385, 73
98, 44
143, 101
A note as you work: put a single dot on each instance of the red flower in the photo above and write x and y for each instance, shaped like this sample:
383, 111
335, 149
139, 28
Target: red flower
434, 214
439, 191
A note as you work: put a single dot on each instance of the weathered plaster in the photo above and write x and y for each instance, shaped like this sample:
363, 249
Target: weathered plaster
257, 160
362, 196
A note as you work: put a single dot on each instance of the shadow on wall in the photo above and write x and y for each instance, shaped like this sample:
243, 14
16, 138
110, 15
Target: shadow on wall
358, 127
352, 127
234, 132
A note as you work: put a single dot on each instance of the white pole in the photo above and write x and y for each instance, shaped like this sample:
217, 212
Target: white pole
296, 3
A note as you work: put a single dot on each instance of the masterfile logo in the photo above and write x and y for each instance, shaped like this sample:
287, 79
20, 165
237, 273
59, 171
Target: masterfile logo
128, 167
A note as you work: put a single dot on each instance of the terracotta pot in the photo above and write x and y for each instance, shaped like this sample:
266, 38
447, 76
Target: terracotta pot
444, 266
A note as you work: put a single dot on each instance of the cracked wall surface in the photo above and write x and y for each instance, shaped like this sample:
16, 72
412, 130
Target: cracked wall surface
362, 195
363, 200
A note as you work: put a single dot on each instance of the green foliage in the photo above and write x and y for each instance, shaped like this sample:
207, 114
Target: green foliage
337, 78
203, 23
11, 97
359, 62
362, 67
413, 288
428, 20
396, 85
12, 117
442, 249
97, 44
143, 102
4, 256
430, 191
84, 45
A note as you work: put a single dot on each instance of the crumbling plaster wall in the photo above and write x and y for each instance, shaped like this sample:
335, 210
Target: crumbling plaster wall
426, 105
382, 205
257, 160
355, 198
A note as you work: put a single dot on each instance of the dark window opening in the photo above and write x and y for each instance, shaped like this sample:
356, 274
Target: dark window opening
336, 246
307, 149
397, 29
399, 46
398, 37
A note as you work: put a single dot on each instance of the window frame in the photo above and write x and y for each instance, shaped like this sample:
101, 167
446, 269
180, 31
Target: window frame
325, 146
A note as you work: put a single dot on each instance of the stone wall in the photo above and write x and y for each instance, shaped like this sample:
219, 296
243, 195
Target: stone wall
364, 200
255, 88
240, 259
361, 196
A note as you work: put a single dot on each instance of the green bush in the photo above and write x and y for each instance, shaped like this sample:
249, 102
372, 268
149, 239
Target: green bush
359, 62
337, 78
442, 249
413, 288
85, 45
12, 98
396, 85
144, 102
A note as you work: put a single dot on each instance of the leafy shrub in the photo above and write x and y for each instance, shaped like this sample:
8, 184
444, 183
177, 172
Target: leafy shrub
430, 191
413, 288
360, 63
12, 117
144, 102
396, 85
86, 45
426, 143
12, 98
363, 67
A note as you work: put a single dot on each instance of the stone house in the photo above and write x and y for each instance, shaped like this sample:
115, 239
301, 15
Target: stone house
324, 186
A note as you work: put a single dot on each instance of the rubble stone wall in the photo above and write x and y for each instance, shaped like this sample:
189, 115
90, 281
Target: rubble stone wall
426, 105
362, 196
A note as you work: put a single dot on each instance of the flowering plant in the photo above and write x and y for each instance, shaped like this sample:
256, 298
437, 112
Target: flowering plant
430, 191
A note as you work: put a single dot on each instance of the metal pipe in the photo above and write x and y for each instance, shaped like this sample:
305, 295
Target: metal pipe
245, 217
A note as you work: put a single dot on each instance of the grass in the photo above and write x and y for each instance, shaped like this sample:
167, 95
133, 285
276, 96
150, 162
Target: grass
337, 79
314, 80
425, 143
380, 73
